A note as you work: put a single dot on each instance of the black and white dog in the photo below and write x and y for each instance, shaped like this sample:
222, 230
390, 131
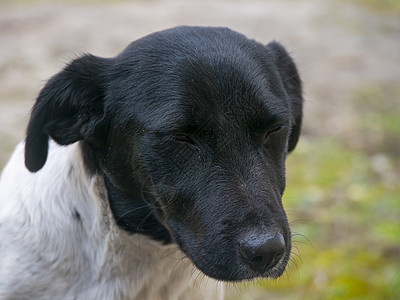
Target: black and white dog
168, 163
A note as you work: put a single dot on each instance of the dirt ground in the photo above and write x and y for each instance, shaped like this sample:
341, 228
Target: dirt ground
342, 49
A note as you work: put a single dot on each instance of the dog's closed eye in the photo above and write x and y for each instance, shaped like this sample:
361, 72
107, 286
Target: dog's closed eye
183, 138
273, 129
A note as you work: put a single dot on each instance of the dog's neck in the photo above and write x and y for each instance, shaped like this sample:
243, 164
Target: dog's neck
134, 214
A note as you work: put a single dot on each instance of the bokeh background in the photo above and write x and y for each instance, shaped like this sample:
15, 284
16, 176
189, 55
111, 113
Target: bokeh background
343, 195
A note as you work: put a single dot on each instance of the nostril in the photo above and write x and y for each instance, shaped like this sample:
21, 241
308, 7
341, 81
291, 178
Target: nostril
258, 259
260, 251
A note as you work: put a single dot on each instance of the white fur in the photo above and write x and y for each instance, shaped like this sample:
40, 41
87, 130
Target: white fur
48, 253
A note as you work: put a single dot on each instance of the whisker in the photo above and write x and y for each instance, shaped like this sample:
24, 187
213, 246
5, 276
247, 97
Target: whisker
293, 261
171, 253
143, 220
131, 211
307, 242
298, 221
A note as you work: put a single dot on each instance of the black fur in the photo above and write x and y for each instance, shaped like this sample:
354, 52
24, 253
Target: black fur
190, 128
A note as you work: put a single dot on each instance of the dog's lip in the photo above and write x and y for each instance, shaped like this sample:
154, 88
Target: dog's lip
244, 273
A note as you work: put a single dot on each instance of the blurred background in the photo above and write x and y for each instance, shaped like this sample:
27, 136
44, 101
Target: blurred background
343, 195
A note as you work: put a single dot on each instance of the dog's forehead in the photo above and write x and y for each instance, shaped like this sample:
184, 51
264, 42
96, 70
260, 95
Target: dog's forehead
223, 99
212, 107
190, 74
225, 93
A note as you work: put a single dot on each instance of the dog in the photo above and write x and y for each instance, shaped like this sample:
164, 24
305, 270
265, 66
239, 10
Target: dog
155, 174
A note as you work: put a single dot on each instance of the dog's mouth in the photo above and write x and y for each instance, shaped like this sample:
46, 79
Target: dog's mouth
221, 259
240, 272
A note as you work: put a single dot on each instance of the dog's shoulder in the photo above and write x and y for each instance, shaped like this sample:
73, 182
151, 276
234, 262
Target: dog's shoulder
35, 224
49, 228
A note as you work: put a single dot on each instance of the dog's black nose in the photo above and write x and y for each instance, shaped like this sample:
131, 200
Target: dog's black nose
261, 252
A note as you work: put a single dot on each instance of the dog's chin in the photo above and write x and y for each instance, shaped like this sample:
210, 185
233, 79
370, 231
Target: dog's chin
220, 261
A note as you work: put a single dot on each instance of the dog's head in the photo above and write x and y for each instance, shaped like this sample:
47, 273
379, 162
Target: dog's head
190, 128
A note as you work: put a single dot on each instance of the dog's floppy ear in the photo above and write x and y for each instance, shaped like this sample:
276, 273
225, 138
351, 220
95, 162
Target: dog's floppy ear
292, 83
69, 108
